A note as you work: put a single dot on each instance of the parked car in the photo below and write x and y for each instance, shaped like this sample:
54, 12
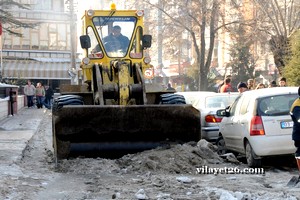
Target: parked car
258, 124
208, 103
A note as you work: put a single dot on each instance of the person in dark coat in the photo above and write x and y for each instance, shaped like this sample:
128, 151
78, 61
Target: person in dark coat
116, 41
48, 96
295, 114
170, 88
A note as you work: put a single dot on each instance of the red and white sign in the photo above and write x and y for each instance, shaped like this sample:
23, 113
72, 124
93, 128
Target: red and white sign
149, 73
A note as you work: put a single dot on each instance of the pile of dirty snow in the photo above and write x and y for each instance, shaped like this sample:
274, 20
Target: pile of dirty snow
176, 159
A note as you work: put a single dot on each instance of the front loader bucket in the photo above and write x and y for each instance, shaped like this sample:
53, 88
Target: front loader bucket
113, 126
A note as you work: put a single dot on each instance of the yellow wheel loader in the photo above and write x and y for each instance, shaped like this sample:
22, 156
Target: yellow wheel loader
115, 106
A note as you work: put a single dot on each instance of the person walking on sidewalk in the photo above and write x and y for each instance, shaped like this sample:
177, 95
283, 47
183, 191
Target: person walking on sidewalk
295, 114
40, 95
29, 91
48, 96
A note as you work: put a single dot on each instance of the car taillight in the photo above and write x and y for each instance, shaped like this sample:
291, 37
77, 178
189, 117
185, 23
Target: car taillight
212, 119
256, 126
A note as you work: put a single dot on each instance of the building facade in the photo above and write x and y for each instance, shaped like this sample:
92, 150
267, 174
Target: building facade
46, 52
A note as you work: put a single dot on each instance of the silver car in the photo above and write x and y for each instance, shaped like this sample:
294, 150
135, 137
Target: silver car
208, 103
258, 124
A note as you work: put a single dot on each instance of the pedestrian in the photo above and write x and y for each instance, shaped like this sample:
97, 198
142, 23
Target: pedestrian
223, 82
282, 82
242, 87
272, 84
260, 86
29, 91
250, 84
295, 114
48, 96
170, 88
40, 94
227, 86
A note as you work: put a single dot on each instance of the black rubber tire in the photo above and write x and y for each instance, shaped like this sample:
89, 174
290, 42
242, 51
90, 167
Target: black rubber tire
250, 156
221, 146
66, 100
172, 99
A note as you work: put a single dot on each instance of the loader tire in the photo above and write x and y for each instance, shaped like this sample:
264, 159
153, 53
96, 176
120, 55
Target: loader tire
172, 99
63, 100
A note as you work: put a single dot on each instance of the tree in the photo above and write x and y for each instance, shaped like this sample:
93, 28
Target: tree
243, 42
292, 69
242, 61
200, 20
8, 21
279, 19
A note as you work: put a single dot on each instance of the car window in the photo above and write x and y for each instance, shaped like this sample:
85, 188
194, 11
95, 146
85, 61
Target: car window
276, 105
233, 106
219, 101
244, 106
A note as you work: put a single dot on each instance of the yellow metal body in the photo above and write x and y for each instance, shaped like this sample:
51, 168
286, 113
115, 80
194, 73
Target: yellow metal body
114, 106
134, 55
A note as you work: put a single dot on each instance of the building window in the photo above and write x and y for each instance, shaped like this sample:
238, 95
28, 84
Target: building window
53, 41
42, 5
34, 39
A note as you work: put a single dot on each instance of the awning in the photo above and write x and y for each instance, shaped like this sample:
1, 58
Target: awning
31, 69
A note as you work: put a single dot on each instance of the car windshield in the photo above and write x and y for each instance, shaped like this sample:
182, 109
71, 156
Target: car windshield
115, 33
220, 101
276, 105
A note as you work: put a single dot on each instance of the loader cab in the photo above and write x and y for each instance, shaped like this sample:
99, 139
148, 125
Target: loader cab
117, 34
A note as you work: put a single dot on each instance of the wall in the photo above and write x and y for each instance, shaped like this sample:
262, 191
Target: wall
3, 108
5, 103
21, 102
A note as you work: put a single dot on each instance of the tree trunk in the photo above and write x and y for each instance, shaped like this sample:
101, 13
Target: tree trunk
280, 49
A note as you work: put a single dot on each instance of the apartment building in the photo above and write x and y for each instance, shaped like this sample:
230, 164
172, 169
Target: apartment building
46, 52
246, 10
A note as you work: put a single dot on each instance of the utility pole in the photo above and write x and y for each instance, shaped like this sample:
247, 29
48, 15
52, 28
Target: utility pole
73, 36
160, 41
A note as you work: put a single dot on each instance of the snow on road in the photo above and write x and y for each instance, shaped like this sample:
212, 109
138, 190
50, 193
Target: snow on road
176, 172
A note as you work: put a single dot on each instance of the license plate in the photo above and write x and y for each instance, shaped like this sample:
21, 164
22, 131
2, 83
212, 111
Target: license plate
287, 124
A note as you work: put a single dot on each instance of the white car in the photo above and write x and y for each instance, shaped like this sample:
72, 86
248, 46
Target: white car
258, 124
208, 103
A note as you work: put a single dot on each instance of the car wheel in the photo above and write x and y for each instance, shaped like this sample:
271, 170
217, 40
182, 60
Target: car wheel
250, 156
221, 146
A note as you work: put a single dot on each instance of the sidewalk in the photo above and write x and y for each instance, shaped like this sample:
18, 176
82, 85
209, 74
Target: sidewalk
16, 131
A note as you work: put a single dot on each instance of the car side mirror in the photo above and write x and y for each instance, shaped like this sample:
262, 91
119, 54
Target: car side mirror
147, 40
85, 41
222, 113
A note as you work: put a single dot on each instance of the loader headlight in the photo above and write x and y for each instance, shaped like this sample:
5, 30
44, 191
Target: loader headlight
90, 13
86, 60
147, 60
139, 13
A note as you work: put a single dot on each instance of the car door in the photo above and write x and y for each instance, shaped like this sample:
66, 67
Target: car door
227, 125
241, 124
236, 128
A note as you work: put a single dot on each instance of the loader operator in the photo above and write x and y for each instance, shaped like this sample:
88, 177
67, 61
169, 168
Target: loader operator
115, 41
295, 114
